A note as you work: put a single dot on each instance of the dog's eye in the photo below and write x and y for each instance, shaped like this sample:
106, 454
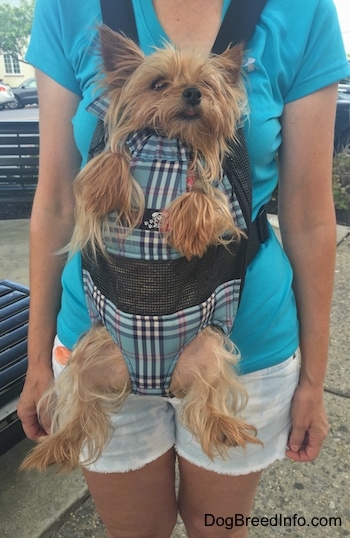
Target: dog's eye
207, 84
159, 85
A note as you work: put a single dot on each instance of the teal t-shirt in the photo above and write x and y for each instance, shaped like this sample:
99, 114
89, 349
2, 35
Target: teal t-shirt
296, 49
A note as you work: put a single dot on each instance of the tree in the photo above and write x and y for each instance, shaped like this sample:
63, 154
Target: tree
15, 27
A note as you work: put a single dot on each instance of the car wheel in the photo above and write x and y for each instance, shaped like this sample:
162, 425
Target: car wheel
12, 104
18, 102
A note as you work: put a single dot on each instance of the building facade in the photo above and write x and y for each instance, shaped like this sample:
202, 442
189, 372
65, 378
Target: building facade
12, 71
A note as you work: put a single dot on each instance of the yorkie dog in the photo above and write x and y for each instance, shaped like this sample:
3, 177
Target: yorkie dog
197, 99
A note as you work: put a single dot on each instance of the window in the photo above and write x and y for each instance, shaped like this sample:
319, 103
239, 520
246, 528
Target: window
12, 65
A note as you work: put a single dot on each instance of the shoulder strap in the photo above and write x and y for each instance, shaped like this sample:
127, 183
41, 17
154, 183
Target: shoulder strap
239, 23
119, 16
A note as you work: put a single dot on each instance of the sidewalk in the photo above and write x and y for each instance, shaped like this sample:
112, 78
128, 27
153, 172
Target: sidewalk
58, 506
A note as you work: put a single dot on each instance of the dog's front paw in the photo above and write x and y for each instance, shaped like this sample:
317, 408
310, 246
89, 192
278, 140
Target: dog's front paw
196, 220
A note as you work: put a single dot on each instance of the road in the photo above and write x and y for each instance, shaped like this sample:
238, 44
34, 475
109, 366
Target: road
28, 113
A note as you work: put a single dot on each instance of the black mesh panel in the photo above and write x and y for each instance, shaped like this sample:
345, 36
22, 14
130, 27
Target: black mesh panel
162, 287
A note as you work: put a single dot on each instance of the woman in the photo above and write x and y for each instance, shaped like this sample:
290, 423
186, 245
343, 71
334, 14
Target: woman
294, 60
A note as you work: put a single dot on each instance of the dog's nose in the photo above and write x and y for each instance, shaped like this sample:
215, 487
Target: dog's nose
192, 96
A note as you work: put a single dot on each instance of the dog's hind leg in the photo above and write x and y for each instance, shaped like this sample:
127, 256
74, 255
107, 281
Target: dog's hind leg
94, 384
204, 377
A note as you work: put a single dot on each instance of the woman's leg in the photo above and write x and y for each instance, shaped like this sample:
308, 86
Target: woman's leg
210, 503
222, 491
137, 504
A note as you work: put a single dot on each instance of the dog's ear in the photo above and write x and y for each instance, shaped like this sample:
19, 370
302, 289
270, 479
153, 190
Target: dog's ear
120, 55
230, 61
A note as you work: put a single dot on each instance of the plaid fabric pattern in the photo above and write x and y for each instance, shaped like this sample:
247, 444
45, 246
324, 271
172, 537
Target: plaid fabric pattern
151, 344
169, 165
98, 107
160, 166
140, 244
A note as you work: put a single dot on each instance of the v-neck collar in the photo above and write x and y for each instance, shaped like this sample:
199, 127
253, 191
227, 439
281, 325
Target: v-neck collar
151, 32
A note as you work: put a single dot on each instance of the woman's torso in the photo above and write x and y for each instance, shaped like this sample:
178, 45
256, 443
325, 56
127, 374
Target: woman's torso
281, 65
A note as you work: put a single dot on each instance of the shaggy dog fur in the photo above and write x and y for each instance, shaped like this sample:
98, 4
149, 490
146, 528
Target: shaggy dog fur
198, 99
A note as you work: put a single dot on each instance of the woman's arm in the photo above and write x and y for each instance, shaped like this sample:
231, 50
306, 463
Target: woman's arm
50, 229
307, 221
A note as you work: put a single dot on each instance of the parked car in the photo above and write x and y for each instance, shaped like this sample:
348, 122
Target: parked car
344, 85
25, 94
6, 95
342, 121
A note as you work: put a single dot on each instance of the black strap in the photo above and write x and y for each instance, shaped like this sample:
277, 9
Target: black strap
237, 169
98, 141
119, 16
258, 234
239, 23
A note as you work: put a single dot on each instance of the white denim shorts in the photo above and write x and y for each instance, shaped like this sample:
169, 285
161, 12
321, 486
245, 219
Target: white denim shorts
148, 426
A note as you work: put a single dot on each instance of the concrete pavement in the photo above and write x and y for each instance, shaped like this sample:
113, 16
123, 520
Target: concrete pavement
313, 498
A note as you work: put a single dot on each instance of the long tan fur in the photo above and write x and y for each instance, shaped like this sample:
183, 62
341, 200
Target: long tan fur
148, 92
213, 396
96, 382
208, 218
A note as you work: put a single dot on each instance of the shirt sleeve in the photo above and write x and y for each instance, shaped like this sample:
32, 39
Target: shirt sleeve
322, 60
61, 34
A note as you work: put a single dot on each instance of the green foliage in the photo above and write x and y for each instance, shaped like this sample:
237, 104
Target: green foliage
15, 27
341, 180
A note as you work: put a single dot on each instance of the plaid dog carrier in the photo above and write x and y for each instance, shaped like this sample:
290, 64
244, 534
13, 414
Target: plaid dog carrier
151, 299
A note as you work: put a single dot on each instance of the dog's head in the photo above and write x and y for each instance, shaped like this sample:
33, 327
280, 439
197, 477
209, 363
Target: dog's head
181, 94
